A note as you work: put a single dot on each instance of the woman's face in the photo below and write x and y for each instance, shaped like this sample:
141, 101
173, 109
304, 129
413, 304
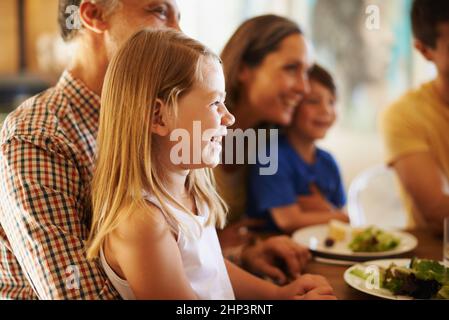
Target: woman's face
316, 114
275, 88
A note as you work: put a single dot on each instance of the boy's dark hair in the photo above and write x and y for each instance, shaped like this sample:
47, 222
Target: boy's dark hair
426, 16
66, 33
322, 76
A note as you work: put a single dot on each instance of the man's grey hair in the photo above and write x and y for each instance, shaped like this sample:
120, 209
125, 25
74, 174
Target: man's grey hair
68, 15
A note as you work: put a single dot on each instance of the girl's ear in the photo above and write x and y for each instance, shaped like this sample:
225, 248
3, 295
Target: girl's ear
160, 119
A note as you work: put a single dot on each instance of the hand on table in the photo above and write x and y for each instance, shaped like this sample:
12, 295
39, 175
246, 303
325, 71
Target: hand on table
307, 287
317, 202
277, 257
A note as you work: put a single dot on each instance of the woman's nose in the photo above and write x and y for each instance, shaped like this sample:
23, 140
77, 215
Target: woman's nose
302, 84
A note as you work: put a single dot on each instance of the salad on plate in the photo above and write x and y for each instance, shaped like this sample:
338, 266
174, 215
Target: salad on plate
421, 279
370, 239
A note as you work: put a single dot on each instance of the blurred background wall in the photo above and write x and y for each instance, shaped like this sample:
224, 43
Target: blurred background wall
373, 61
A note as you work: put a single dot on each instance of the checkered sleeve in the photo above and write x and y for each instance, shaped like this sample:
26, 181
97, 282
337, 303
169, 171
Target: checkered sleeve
40, 187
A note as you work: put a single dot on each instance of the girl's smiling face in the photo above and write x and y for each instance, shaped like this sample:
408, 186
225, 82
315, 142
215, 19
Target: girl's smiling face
316, 114
202, 113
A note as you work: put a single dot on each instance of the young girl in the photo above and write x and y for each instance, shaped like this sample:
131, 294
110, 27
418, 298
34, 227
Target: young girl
307, 188
154, 216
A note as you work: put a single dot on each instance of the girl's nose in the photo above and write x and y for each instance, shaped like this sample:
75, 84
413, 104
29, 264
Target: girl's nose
227, 118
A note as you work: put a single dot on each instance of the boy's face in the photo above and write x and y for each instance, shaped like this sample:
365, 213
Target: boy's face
440, 54
134, 15
316, 114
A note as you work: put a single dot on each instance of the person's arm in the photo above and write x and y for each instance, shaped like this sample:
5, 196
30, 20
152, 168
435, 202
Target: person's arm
249, 287
291, 218
310, 210
147, 253
39, 213
423, 181
408, 151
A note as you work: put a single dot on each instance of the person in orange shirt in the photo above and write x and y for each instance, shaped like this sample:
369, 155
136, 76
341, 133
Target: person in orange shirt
415, 127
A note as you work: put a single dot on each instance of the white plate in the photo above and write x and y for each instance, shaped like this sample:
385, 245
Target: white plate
314, 237
371, 287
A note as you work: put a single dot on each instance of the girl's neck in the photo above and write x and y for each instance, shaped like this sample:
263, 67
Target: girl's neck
304, 146
173, 177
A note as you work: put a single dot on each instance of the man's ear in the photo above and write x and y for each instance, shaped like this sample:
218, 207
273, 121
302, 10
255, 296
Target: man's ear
424, 50
159, 124
92, 16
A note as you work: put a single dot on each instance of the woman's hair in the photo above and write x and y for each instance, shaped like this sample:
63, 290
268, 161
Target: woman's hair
322, 76
249, 45
152, 65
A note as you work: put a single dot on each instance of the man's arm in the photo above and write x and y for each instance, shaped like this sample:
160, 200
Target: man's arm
40, 216
423, 181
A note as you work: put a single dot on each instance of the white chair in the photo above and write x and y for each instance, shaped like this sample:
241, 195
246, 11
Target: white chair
373, 199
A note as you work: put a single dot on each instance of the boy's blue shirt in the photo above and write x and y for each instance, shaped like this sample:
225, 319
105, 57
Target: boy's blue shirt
293, 179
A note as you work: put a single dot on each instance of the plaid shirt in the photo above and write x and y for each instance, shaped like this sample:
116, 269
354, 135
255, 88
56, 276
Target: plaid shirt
46, 162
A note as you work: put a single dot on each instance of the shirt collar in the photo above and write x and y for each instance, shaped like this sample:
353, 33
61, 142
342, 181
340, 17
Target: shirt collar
77, 91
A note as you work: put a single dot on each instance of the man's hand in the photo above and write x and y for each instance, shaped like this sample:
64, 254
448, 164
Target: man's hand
279, 258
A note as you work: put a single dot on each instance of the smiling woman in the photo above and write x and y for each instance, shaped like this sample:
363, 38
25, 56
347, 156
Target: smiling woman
265, 64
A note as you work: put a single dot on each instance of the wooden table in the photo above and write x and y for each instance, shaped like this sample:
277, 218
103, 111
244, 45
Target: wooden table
429, 247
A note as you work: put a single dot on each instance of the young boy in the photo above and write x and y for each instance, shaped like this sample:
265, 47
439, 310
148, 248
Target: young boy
415, 128
307, 188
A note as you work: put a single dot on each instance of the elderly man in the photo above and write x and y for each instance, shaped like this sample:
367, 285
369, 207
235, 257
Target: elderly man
47, 158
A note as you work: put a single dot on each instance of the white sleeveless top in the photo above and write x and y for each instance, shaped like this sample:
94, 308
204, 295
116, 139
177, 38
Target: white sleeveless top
201, 257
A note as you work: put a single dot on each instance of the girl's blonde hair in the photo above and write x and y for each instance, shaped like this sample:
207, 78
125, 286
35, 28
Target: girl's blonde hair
152, 65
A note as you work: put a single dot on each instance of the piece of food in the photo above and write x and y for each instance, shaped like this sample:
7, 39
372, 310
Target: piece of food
338, 230
423, 279
373, 239
329, 242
